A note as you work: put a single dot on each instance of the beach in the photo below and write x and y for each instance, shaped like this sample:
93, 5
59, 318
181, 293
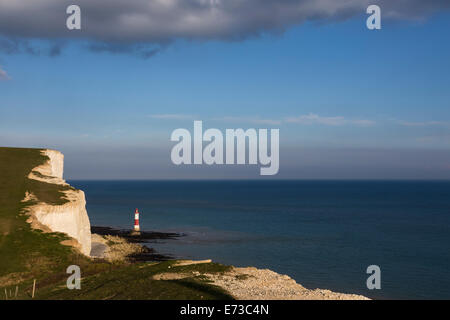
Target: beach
242, 283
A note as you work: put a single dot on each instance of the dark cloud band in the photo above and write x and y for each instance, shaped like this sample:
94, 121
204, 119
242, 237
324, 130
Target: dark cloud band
112, 23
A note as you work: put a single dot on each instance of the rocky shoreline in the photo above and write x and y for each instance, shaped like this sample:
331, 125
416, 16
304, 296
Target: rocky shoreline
120, 244
242, 283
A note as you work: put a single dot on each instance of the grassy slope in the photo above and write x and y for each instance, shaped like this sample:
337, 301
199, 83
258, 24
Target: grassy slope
23, 249
27, 254
135, 282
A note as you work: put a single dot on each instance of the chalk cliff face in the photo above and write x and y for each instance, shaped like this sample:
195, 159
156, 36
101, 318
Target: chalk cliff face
71, 217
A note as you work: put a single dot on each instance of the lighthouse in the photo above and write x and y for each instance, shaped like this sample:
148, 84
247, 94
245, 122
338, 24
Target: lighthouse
136, 221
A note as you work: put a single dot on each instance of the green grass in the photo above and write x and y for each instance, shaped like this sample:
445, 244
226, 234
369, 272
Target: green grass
23, 249
136, 282
27, 254
131, 281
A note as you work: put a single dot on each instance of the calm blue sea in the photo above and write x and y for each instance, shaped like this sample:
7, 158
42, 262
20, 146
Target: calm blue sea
324, 234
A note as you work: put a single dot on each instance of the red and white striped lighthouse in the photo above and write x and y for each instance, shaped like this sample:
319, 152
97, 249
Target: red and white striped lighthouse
136, 220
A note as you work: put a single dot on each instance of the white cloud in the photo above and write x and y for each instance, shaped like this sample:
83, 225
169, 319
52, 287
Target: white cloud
311, 118
172, 116
232, 119
424, 123
254, 120
4, 75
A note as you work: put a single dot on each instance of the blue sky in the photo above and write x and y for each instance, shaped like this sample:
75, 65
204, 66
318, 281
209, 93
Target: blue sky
350, 103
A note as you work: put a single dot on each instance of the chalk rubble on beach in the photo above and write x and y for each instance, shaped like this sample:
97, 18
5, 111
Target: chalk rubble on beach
260, 284
263, 284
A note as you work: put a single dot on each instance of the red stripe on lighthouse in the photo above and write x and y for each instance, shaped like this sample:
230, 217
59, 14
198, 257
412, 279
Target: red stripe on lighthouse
136, 220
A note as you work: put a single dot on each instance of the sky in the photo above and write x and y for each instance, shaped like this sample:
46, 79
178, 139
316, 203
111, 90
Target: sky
350, 103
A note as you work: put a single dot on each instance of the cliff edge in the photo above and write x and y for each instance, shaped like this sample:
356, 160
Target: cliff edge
71, 216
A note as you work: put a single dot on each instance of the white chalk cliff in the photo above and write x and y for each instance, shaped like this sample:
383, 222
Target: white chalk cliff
71, 217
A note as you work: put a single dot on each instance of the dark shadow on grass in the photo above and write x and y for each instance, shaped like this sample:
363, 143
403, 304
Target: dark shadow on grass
209, 290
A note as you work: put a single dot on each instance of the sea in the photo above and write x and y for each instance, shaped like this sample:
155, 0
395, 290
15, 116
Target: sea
323, 234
